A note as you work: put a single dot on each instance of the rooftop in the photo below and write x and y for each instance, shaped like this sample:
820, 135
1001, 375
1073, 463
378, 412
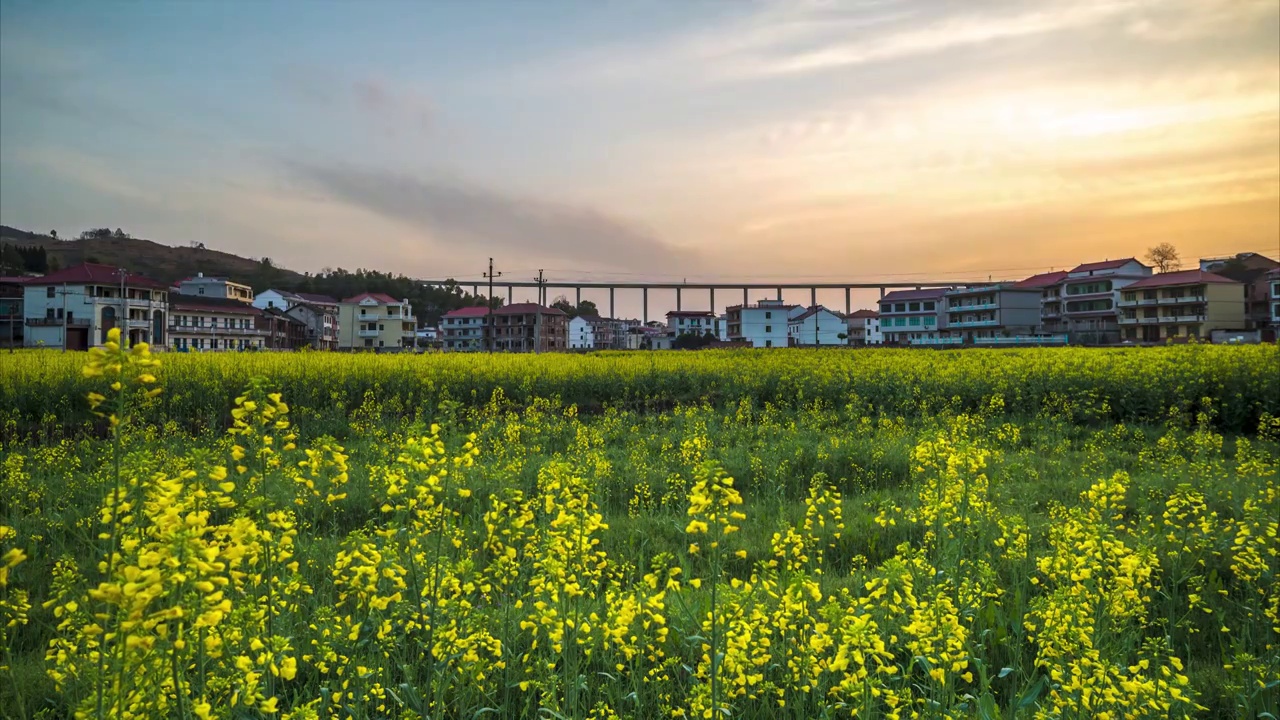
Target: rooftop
811, 310
859, 314
1043, 280
382, 298
925, 294
1104, 265
86, 273
1185, 277
691, 313
178, 302
467, 312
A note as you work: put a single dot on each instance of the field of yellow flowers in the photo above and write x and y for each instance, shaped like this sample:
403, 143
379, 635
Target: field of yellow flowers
1053, 533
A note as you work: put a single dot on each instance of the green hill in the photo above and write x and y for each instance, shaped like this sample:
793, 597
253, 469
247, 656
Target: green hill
168, 263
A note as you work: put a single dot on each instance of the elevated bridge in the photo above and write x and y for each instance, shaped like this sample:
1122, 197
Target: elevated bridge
710, 287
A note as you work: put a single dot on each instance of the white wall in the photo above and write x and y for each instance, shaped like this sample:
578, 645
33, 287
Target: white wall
581, 334
765, 327
828, 328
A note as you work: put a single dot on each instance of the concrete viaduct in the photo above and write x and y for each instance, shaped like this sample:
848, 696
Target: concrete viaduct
645, 287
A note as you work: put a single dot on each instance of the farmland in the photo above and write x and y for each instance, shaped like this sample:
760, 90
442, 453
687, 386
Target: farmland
790, 534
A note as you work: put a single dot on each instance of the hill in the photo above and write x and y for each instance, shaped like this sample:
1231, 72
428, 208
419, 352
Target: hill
169, 264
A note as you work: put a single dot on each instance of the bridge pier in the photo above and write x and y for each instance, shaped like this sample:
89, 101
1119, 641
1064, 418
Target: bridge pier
848, 302
813, 297
677, 299
779, 294
712, 301
579, 297
645, 291
611, 314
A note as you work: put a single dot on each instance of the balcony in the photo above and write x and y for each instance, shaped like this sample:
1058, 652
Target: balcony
368, 332
57, 322
979, 306
1182, 299
1181, 318
1023, 340
1137, 302
114, 302
213, 330
973, 323
938, 341
1139, 320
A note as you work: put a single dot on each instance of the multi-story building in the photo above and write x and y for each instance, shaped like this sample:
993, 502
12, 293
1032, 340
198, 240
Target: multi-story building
464, 329
864, 328
914, 317
1273, 281
1049, 285
74, 308
282, 331
202, 323
690, 322
11, 319
997, 314
764, 324
529, 327
215, 287
376, 321
1086, 299
318, 312
606, 333
582, 335
1252, 270
1180, 305
816, 326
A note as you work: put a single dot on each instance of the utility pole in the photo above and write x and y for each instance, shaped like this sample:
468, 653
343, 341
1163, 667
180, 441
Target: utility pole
64, 316
537, 317
488, 316
124, 311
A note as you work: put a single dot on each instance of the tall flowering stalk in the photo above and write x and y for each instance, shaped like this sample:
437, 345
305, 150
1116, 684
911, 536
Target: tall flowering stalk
712, 518
126, 370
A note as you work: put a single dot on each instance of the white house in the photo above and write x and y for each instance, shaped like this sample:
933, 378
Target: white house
764, 324
203, 323
216, 287
689, 322
74, 308
864, 328
816, 326
319, 312
464, 329
582, 335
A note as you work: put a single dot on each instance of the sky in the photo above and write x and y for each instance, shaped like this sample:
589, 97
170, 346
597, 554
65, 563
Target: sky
650, 139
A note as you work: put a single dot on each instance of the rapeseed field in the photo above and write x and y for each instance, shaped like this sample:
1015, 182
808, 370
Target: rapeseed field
1051, 533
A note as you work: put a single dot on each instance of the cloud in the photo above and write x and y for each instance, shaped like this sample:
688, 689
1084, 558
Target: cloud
456, 213
387, 105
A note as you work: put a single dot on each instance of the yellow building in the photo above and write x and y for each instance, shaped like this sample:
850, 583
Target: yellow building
1180, 305
374, 321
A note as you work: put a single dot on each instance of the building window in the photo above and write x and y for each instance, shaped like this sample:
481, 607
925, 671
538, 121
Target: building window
915, 307
900, 307
767, 315
899, 322
915, 321
768, 343
49, 291
928, 306
768, 328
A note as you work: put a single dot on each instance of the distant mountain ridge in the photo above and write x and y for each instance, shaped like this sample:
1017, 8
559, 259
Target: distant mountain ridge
165, 263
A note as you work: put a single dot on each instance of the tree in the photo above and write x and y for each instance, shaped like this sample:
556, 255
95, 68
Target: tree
586, 307
562, 304
53, 234
1164, 257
